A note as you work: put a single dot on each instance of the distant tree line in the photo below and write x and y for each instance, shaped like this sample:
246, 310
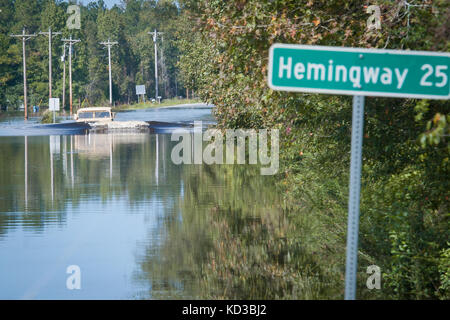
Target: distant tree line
132, 60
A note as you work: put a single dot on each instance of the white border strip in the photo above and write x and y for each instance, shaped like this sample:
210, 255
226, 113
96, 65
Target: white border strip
352, 92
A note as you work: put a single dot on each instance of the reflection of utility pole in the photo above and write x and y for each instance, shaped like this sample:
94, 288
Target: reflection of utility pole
50, 35
110, 157
109, 44
25, 37
51, 168
71, 159
155, 35
157, 160
65, 156
71, 43
26, 173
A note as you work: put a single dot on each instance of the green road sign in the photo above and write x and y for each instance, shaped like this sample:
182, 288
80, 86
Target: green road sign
362, 72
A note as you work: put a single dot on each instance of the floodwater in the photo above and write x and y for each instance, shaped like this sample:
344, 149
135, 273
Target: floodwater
112, 204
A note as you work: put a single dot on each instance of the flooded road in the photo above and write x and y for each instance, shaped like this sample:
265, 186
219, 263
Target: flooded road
117, 207
13, 124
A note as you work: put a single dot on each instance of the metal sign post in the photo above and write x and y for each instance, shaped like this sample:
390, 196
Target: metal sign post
353, 202
53, 106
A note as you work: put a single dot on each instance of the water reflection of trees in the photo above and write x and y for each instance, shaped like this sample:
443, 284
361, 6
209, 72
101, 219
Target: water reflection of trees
41, 176
231, 238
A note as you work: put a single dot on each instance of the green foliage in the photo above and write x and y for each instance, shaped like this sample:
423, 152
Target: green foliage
444, 270
404, 206
47, 117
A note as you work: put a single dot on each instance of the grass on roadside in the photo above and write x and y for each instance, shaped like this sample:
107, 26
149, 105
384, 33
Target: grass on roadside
148, 104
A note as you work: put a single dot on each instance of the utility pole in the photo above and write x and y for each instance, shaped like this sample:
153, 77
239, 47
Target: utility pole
109, 44
176, 87
63, 58
155, 35
71, 42
25, 37
50, 35
164, 76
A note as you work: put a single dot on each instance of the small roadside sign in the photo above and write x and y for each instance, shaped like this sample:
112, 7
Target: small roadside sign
53, 104
140, 90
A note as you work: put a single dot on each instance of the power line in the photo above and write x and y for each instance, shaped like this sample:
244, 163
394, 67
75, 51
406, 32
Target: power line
25, 37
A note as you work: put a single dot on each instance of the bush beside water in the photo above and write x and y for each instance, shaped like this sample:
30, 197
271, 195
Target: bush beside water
47, 117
